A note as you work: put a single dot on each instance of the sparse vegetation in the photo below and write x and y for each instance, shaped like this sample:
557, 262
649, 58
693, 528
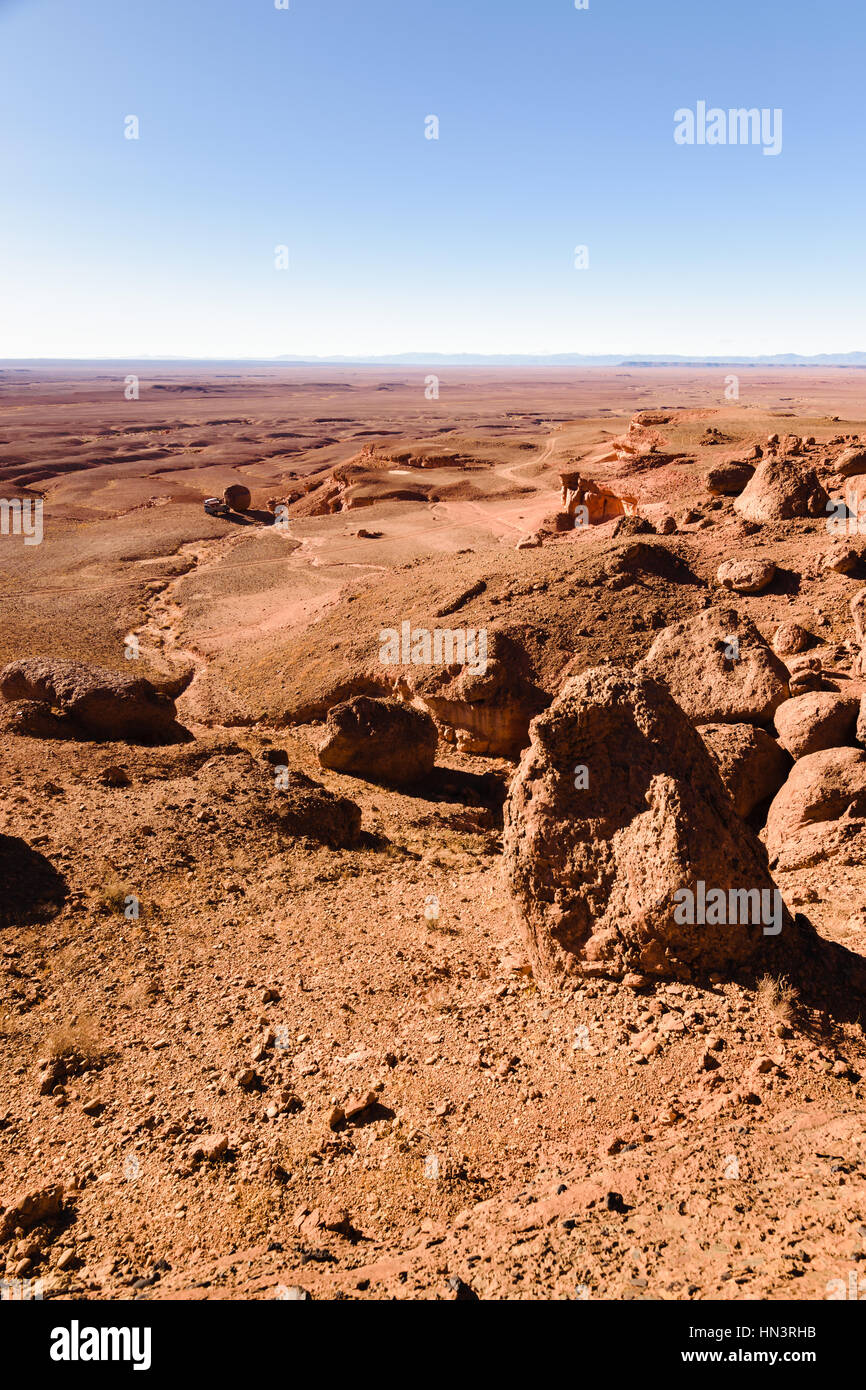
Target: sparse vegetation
777, 996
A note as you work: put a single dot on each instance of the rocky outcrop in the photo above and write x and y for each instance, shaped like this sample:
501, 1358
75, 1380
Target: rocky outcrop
616, 828
816, 720
238, 798
306, 809
383, 740
718, 668
751, 764
483, 709
592, 504
103, 704
780, 489
31, 1207
34, 719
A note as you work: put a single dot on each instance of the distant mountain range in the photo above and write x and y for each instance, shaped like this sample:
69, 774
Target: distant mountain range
577, 359
470, 359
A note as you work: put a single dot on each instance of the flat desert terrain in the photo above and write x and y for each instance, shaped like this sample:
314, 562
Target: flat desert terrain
277, 1019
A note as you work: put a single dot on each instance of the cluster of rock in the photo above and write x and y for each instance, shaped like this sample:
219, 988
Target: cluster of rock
640, 785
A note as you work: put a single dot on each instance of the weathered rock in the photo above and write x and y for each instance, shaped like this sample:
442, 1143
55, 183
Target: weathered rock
751, 764
782, 488
384, 740
484, 709
746, 576
114, 776
805, 673
820, 807
591, 503
210, 1148
842, 559
105, 704
818, 719
791, 638
728, 479
615, 809
30, 1208
238, 497
718, 668
850, 462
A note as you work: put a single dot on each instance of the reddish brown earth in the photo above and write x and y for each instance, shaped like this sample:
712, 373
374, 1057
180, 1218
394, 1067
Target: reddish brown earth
406, 1111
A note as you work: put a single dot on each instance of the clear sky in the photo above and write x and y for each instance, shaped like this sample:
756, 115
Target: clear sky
305, 127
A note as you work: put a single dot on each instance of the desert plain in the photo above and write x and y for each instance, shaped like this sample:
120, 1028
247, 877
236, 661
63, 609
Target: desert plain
274, 1028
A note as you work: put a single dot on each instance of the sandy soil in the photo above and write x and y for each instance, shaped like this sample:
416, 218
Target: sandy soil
519, 1144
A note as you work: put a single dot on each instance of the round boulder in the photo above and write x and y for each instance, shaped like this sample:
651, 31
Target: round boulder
718, 668
818, 719
746, 576
780, 489
791, 638
850, 462
825, 790
237, 497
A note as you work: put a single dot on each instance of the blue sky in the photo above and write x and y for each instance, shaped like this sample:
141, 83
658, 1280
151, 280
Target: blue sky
306, 127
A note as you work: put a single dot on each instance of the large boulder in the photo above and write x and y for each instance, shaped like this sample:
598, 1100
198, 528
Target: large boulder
751, 764
238, 497
104, 704
718, 668
821, 807
384, 740
850, 462
617, 821
781, 488
819, 719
